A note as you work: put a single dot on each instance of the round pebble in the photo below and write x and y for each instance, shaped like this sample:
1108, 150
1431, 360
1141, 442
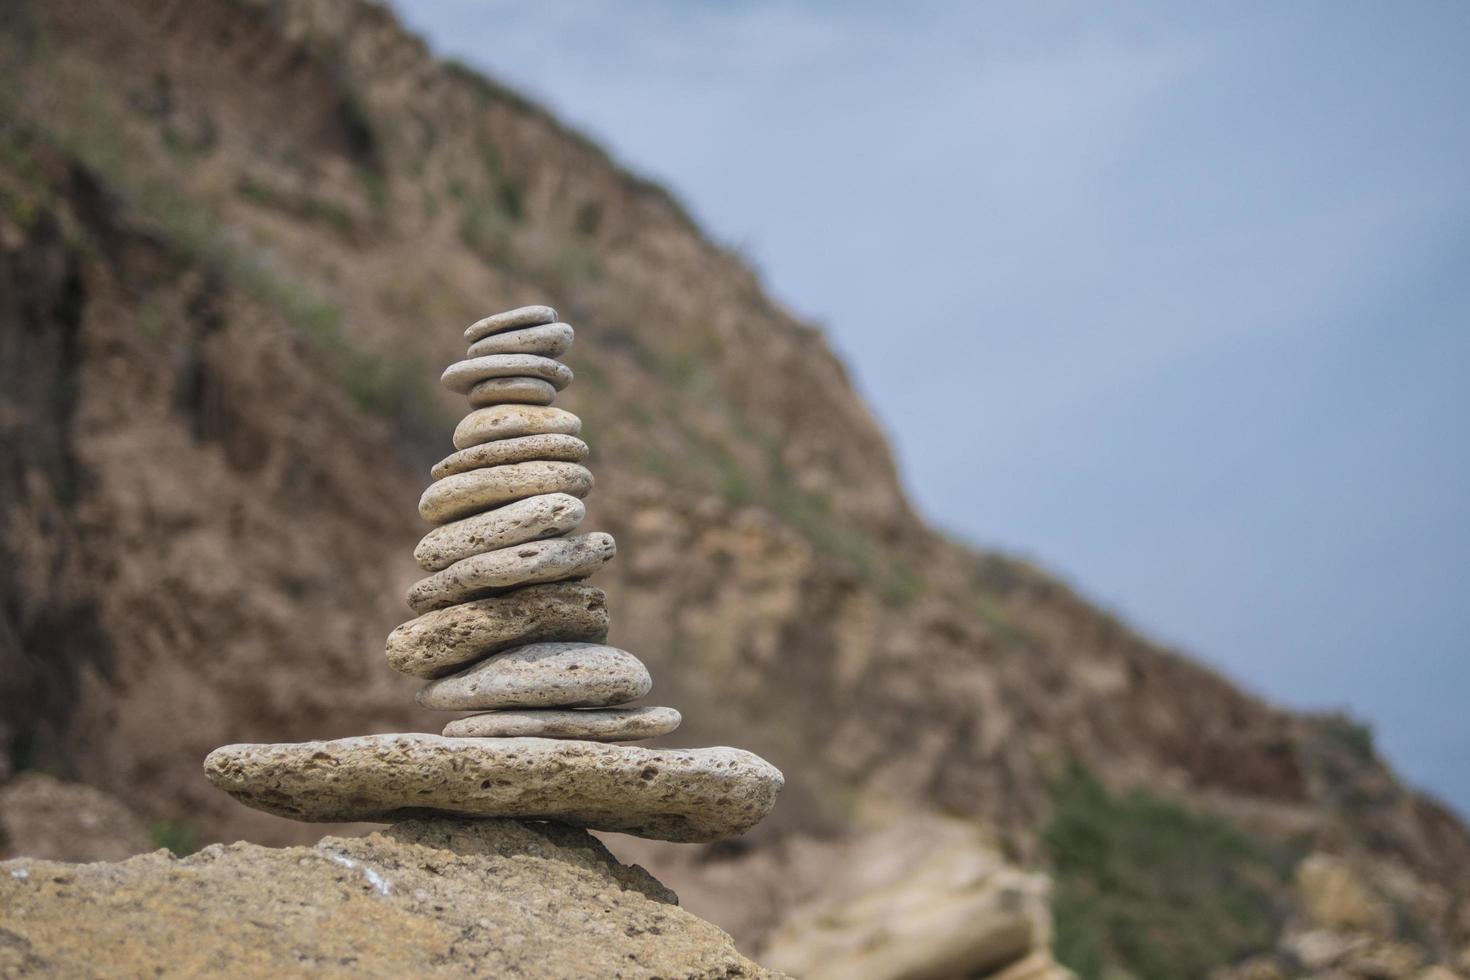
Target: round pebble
547, 339
469, 493
542, 516
551, 560
567, 449
525, 316
461, 376
509, 421
520, 391
597, 725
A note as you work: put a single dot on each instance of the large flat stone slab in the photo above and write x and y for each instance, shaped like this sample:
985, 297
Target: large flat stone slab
686, 795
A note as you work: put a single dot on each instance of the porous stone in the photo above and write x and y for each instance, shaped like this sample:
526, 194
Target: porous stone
604, 725
567, 449
461, 376
543, 516
686, 795
547, 339
552, 560
522, 316
515, 391
469, 493
445, 640
509, 421
445, 898
543, 675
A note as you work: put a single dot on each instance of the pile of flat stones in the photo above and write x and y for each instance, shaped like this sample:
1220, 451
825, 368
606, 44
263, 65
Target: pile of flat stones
507, 628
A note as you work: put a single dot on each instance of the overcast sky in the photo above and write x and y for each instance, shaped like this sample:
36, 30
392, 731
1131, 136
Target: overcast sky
1201, 274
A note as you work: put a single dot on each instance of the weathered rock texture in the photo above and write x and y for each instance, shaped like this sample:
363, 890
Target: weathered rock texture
442, 898
670, 794
231, 228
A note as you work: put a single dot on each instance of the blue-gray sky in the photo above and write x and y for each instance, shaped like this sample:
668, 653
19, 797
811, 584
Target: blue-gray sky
1200, 274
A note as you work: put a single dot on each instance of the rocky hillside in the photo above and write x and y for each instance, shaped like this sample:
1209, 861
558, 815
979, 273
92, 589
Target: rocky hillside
238, 240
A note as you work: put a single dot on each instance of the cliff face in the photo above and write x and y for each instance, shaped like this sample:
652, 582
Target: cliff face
237, 242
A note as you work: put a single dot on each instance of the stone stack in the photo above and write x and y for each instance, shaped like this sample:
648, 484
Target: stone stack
507, 629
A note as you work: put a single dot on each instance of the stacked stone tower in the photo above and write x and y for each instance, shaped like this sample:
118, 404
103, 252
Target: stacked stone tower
506, 628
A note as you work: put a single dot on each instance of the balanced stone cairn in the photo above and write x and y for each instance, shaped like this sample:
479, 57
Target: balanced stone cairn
507, 628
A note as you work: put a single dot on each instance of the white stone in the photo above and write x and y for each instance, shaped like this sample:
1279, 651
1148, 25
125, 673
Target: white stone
668, 794
547, 339
469, 493
524, 316
543, 675
552, 560
543, 516
510, 421
512, 391
568, 449
597, 724
445, 640
461, 376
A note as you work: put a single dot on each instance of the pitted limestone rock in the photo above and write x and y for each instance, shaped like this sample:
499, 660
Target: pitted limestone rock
547, 339
551, 560
443, 641
509, 421
543, 516
567, 449
512, 391
464, 375
523, 316
469, 493
543, 675
598, 725
685, 795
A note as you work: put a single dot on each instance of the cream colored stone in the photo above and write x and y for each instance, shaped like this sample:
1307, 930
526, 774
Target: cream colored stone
552, 560
522, 316
461, 376
543, 516
605, 725
448, 899
543, 675
547, 339
512, 391
567, 449
668, 794
926, 896
510, 421
1334, 896
443, 641
469, 493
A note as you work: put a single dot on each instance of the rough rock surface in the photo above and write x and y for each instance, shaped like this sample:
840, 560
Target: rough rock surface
551, 560
514, 450
609, 724
433, 898
541, 516
682, 795
543, 675
41, 816
441, 641
463, 494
